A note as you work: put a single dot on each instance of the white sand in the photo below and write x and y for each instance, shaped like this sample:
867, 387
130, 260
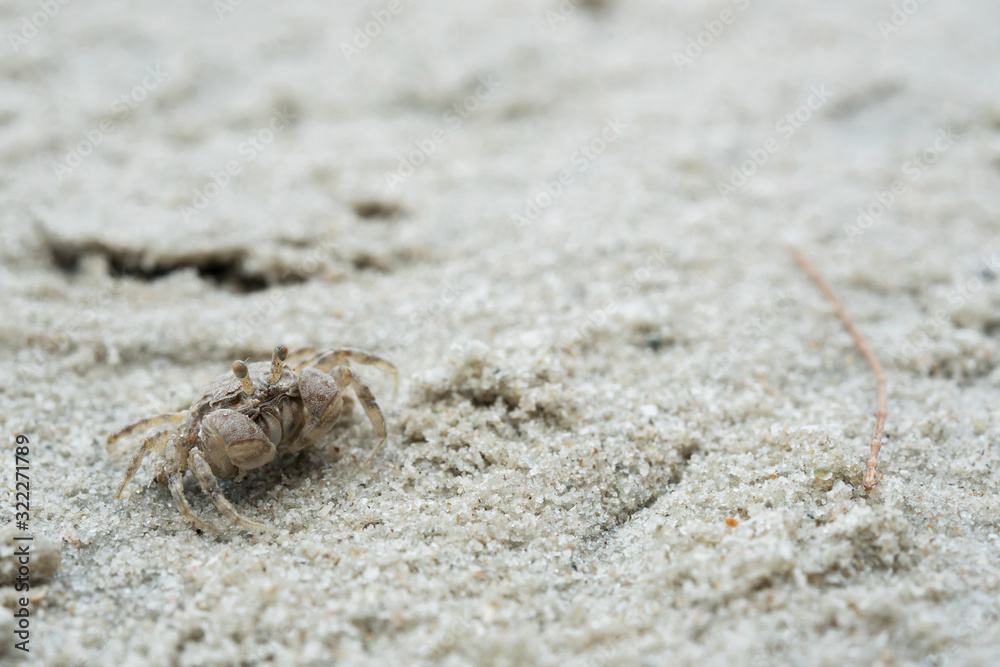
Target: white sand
586, 397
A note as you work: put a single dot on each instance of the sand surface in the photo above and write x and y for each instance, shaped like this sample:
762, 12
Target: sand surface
629, 430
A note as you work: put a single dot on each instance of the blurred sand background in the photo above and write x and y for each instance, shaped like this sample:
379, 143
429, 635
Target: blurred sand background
629, 430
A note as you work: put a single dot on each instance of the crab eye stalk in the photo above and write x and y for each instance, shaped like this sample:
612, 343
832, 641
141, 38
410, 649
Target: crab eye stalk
240, 371
277, 363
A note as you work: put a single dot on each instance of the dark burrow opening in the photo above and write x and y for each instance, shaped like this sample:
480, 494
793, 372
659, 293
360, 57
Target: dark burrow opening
227, 270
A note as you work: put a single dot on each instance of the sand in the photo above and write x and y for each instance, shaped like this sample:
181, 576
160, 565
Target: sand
629, 430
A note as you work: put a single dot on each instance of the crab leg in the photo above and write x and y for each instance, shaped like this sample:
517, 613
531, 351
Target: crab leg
300, 354
203, 472
329, 360
174, 468
165, 418
154, 442
345, 377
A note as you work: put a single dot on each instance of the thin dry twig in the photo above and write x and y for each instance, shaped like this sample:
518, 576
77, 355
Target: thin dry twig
810, 270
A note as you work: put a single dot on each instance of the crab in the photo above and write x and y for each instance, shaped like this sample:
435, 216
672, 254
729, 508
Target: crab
243, 419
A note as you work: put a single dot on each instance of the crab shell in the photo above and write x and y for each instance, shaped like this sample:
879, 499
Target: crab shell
277, 409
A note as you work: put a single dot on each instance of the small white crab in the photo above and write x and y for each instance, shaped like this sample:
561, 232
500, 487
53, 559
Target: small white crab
242, 420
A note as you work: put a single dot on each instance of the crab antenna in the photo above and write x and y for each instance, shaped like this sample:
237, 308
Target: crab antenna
277, 363
240, 371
